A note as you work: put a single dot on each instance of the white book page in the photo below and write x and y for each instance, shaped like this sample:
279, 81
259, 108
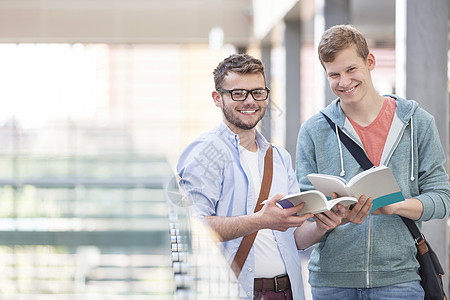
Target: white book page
328, 184
365, 173
314, 201
345, 201
378, 184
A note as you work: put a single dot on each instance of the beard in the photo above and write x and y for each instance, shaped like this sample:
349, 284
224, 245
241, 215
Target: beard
233, 119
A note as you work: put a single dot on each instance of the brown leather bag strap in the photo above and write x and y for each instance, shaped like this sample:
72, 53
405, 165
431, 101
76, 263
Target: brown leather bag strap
247, 241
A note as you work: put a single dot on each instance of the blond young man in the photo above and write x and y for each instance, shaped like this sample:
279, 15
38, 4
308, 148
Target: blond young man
371, 256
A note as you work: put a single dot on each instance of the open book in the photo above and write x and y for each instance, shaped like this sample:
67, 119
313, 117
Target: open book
377, 182
315, 202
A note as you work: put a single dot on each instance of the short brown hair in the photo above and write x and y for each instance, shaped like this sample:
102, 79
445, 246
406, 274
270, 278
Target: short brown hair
238, 63
340, 37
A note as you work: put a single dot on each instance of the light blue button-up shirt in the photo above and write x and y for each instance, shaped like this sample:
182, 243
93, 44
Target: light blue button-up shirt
218, 183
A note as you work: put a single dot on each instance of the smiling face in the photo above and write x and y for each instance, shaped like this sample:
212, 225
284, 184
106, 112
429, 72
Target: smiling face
349, 76
241, 115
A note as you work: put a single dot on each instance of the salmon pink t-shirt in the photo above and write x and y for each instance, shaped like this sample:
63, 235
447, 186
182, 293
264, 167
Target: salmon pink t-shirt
373, 136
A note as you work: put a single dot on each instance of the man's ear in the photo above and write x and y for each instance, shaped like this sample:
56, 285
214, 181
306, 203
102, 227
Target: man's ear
371, 61
217, 98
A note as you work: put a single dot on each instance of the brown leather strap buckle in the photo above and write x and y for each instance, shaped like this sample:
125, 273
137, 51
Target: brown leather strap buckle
275, 280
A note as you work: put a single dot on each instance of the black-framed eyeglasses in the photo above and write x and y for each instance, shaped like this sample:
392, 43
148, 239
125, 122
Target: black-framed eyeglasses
242, 94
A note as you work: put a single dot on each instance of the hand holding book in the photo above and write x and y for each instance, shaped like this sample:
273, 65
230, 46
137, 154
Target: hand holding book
378, 183
315, 202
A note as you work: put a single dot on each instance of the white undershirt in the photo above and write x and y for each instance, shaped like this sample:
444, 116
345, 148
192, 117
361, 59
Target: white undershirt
268, 261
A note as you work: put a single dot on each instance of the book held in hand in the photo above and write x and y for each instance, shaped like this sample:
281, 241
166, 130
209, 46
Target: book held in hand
377, 182
315, 202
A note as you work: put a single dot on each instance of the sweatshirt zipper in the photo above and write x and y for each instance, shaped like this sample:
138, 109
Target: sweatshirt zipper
368, 253
369, 241
369, 216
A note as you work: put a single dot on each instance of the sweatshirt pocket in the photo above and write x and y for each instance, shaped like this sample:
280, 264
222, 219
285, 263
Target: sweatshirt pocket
342, 250
393, 245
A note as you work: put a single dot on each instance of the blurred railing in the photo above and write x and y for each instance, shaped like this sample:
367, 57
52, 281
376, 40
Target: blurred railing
200, 270
97, 236
103, 228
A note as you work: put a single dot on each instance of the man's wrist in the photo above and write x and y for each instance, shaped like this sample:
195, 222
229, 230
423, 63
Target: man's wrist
320, 230
411, 208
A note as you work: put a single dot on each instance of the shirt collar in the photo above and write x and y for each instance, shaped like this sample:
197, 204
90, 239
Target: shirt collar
225, 132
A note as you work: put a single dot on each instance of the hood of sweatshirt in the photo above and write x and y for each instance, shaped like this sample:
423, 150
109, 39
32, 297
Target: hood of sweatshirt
405, 110
403, 117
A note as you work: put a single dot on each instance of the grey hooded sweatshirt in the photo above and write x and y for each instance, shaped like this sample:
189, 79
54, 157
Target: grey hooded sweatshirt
381, 250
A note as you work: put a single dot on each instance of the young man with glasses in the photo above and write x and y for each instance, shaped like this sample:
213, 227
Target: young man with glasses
221, 172
371, 256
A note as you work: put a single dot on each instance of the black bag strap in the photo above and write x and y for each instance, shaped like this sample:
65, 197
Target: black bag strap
361, 157
357, 152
